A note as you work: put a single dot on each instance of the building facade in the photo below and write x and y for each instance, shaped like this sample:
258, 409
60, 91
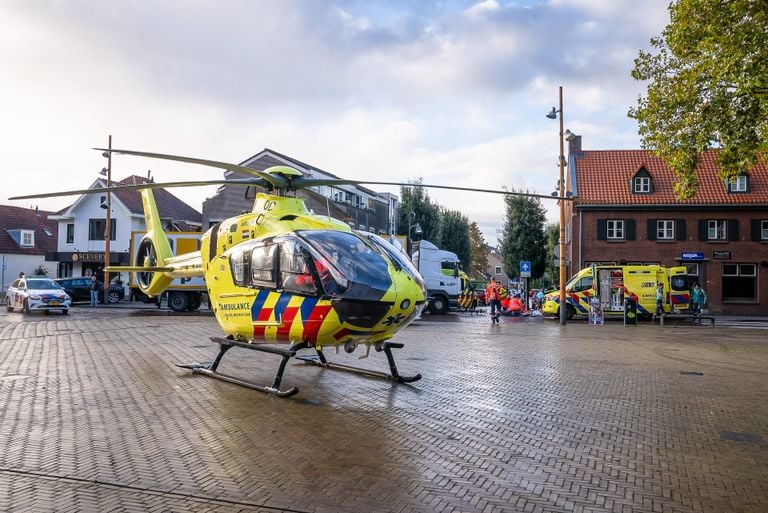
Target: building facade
626, 211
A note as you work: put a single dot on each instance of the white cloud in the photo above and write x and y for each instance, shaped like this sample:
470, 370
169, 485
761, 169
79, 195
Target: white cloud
453, 92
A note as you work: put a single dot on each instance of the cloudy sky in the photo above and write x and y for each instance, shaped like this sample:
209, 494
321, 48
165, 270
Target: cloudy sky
454, 92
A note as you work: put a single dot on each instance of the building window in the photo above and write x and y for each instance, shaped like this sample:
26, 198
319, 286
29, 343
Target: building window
739, 282
615, 229
70, 233
739, 184
497, 270
97, 228
716, 229
692, 269
764, 229
27, 239
642, 184
665, 230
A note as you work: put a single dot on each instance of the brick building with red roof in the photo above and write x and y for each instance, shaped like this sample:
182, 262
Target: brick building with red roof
626, 211
26, 235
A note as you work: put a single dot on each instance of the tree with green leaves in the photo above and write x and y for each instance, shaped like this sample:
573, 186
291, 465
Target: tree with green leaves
522, 235
454, 236
708, 88
478, 246
416, 199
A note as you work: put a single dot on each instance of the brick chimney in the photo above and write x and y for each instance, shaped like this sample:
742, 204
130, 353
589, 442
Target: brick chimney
574, 144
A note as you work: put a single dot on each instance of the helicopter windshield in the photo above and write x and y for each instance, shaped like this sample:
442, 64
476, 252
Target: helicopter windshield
397, 257
347, 266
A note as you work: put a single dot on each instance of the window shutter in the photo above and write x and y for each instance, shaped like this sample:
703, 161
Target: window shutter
733, 229
602, 229
702, 229
630, 224
755, 229
652, 229
680, 229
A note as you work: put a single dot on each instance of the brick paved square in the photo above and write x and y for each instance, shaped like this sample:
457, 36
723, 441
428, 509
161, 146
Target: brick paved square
522, 416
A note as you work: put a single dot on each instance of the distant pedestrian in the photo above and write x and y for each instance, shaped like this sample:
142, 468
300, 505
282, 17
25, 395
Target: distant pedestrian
21, 274
493, 298
659, 302
94, 290
698, 300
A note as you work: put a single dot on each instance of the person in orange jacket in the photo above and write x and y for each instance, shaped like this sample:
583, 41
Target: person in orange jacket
493, 298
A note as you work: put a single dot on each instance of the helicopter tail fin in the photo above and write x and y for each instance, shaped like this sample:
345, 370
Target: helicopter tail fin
154, 250
154, 253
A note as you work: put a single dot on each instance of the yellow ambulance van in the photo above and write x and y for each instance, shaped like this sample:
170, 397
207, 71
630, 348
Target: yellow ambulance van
613, 284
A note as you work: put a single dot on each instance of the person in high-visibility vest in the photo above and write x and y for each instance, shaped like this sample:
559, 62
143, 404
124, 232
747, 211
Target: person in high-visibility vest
493, 298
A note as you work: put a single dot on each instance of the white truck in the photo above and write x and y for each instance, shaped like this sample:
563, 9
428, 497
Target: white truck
184, 294
442, 275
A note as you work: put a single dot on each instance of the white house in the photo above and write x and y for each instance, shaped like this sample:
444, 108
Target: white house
82, 226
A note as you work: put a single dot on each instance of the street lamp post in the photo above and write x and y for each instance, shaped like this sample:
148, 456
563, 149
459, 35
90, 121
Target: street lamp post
416, 228
554, 113
107, 224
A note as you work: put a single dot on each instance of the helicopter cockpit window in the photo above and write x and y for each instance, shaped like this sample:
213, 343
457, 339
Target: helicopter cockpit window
238, 264
347, 265
296, 268
263, 265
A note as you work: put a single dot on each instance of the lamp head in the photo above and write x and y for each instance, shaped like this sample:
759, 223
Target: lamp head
569, 136
104, 171
417, 230
553, 113
105, 205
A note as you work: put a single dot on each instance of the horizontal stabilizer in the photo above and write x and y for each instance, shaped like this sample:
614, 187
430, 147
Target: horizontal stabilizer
138, 269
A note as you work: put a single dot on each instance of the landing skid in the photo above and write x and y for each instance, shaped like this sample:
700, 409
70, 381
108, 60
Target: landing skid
320, 361
209, 369
225, 344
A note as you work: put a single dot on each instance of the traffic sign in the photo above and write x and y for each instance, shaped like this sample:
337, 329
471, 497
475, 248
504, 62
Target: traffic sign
525, 269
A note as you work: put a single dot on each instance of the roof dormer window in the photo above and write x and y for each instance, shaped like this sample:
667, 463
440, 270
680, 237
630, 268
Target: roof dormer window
641, 182
739, 184
27, 239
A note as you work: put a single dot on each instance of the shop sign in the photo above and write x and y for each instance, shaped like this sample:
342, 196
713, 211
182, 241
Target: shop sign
721, 255
692, 255
87, 256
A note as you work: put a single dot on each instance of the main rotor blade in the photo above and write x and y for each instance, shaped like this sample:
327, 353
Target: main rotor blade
300, 183
148, 185
278, 182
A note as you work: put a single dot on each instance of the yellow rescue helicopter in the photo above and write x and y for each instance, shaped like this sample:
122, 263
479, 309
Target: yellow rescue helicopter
282, 275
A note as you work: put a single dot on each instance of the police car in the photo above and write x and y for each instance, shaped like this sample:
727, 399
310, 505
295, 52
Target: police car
36, 294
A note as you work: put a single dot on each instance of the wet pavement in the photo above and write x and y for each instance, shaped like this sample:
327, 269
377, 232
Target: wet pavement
523, 416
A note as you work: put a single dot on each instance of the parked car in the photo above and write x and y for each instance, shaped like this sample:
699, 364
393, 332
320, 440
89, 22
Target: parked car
36, 294
80, 290
480, 291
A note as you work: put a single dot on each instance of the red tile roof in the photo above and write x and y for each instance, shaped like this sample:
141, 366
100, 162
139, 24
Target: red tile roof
168, 205
18, 218
603, 178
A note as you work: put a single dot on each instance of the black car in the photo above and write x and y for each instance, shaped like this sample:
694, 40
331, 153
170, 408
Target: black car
79, 289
